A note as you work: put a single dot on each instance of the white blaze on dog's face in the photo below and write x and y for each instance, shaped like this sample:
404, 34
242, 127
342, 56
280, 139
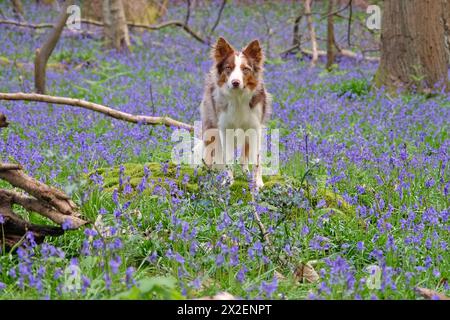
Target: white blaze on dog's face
238, 70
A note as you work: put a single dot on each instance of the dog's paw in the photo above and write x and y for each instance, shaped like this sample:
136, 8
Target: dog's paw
228, 178
259, 183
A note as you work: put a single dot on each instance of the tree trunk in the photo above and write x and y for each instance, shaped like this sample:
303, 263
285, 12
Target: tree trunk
330, 36
413, 52
446, 23
18, 9
44, 52
312, 32
116, 29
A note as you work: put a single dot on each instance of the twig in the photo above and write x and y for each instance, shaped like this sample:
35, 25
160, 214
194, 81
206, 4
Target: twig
41, 26
188, 12
219, 15
336, 12
170, 23
148, 120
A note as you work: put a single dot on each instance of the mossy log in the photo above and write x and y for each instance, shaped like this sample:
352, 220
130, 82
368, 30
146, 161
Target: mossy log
187, 179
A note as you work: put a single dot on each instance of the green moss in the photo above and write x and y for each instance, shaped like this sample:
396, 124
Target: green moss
164, 175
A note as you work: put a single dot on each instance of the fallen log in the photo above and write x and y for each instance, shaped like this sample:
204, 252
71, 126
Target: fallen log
46, 201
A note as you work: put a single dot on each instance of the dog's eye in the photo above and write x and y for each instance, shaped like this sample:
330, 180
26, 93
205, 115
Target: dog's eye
247, 70
228, 69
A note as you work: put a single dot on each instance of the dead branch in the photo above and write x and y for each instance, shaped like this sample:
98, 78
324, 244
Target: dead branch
172, 23
54, 197
219, 15
45, 210
147, 120
343, 53
332, 13
10, 166
3, 122
430, 294
296, 37
312, 32
14, 228
27, 25
44, 52
188, 12
46, 201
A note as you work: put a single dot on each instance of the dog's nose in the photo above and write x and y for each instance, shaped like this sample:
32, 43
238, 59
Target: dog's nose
235, 83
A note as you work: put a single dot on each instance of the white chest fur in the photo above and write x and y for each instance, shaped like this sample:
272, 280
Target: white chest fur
238, 114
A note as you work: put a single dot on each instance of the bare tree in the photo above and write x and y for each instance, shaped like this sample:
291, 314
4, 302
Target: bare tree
413, 52
44, 52
115, 25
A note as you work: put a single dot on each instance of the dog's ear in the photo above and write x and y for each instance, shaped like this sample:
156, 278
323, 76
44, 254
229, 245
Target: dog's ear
254, 51
222, 49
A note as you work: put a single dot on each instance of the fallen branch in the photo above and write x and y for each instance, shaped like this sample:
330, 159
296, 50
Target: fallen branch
46, 201
3, 122
342, 52
27, 25
148, 120
10, 166
47, 211
431, 294
54, 197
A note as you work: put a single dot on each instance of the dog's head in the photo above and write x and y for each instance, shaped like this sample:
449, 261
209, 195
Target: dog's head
238, 70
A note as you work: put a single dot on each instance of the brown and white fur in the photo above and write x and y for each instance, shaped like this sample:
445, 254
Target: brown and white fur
235, 98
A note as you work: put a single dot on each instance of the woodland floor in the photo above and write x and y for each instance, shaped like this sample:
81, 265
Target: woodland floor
362, 195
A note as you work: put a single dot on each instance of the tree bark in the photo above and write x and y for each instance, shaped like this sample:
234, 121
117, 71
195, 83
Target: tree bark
312, 32
330, 35
150, 120
115, 25
46, 201
446, 23
44, 52
413, 52
18, 9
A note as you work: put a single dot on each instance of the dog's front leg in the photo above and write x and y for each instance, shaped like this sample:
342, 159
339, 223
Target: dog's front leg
257, 174
227, 152
245, 151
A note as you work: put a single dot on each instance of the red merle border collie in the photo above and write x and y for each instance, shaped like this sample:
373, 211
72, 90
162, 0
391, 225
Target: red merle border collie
235, 101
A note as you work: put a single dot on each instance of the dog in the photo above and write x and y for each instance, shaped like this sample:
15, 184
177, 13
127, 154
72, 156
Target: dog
235, 100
